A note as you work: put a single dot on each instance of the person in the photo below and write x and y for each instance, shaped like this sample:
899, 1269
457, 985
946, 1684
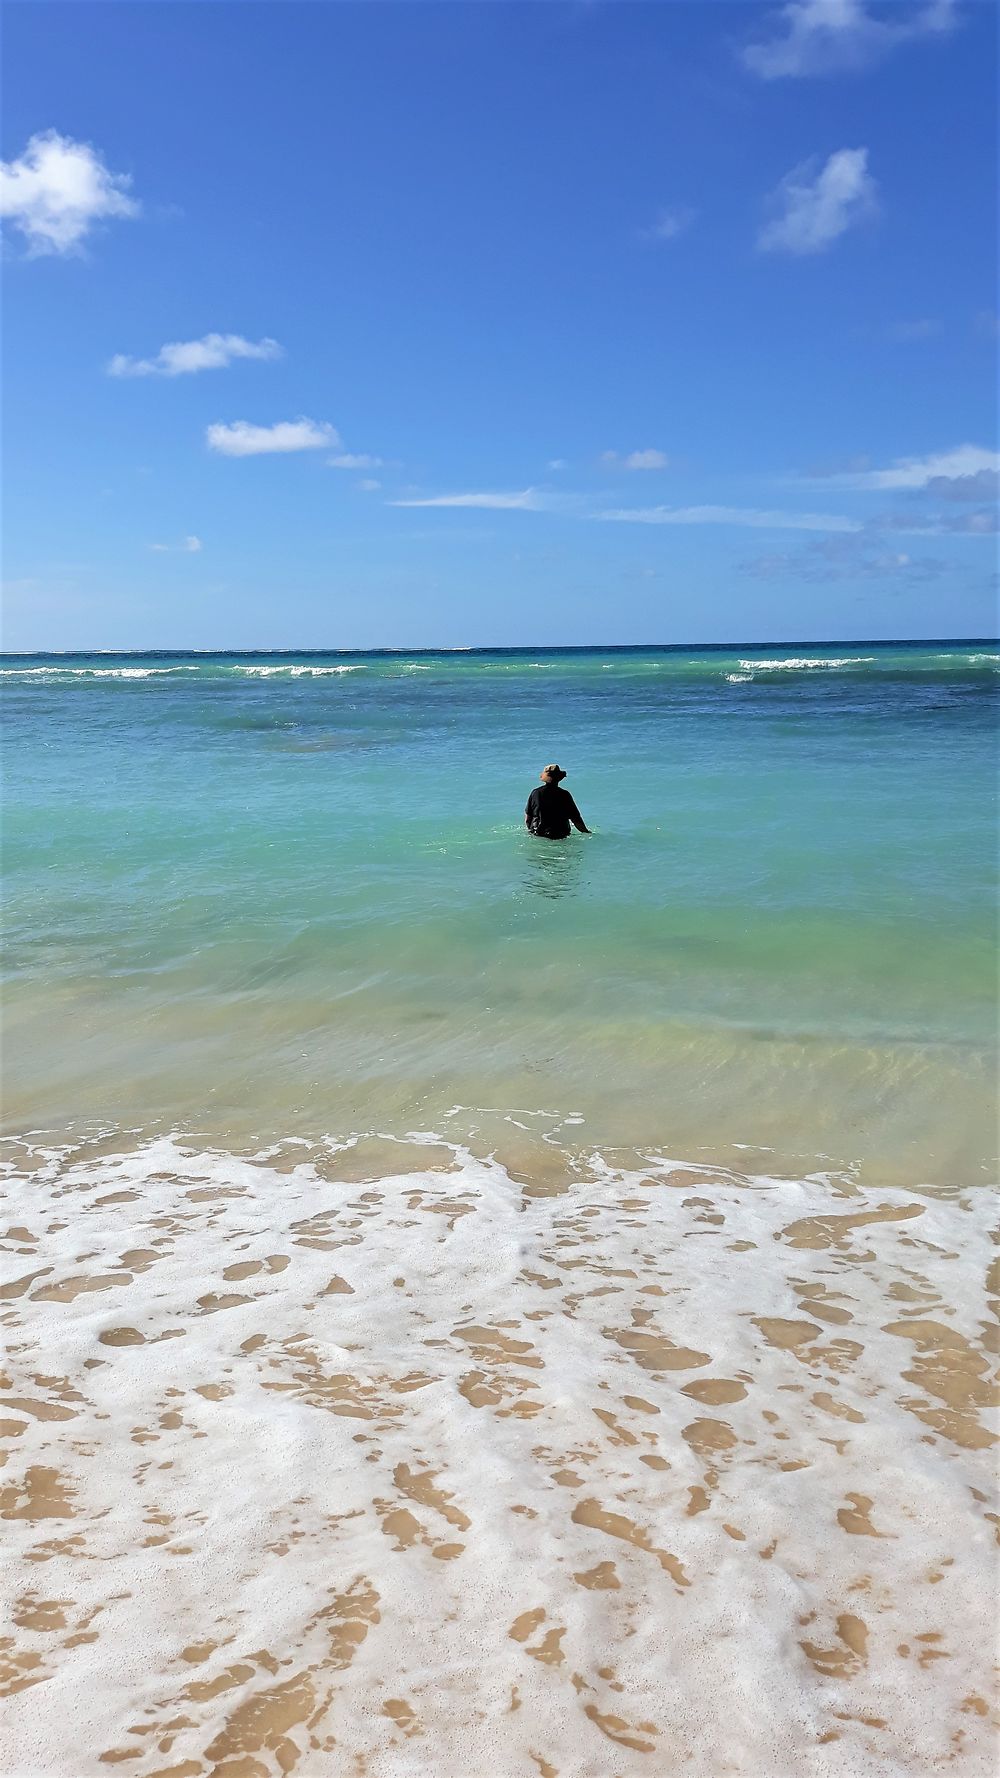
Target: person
550, 809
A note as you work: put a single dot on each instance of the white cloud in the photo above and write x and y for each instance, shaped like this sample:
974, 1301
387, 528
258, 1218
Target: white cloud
647, 460
812, 213
669, 224
183, 357
352, 460
835, 36
526, 501
191, 546
557, 463
241, 439
942, 472
732, 515
57, 190
369, 485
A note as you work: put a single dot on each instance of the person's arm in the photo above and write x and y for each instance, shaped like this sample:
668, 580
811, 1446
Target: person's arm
529, 813
576, 817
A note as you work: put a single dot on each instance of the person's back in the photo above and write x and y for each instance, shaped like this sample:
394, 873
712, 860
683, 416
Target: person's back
551, 810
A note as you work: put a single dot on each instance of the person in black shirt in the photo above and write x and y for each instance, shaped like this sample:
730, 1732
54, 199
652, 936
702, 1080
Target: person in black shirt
550, 809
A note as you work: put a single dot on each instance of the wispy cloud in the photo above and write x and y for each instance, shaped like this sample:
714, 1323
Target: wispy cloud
751, 516
956, 520
837, 36
669, 224
983, 521
967, 471
907, 333
57, 190
647, 459
183, 357
946, 493
846, 558
369, 485
527, 500
241, 439
811, 212
191, 546
355, 460
557, 463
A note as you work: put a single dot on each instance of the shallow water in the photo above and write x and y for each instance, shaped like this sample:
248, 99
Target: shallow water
266, 895
475, 1306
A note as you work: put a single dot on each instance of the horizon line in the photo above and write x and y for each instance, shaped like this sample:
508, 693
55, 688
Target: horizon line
513, 647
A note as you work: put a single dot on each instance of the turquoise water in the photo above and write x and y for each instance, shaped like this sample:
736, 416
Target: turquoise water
261, 895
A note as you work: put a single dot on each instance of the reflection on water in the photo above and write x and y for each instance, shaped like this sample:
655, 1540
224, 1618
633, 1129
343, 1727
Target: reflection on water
553, 868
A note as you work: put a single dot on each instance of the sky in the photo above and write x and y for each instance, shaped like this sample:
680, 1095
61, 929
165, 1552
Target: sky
379, 324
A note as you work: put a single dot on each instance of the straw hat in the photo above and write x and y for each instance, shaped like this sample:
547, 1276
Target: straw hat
553, 773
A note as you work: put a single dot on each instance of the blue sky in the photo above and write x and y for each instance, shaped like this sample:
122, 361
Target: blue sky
656, 322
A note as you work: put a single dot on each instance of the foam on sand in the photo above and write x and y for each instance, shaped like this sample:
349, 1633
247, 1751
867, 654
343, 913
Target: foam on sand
369, 1460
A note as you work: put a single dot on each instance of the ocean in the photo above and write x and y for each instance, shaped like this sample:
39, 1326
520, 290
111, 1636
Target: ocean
481, 1305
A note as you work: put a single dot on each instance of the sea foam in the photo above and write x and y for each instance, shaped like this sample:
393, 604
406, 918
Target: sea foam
798, 664
365, 1457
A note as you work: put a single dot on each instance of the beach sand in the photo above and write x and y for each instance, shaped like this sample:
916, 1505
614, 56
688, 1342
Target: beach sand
379, 1459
